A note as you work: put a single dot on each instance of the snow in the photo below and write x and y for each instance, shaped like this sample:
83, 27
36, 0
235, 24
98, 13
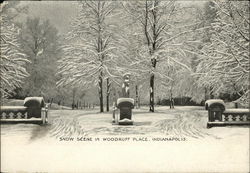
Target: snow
120, 100
22, 120
13, 108
125, 120
39, 52
208, 103
41, 145
237, 111
126, 89
12, 102
211, 101
224, 61
38, 99
33, 118
12, 58
126, 75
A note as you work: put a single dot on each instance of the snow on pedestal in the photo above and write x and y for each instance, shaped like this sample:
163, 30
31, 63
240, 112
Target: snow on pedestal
36, 99
120, 100
237, 111
125, 121
208, 103
12, 108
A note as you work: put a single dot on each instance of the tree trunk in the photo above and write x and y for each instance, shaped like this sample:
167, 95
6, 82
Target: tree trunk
236, 105
152, 80
151, 96
171, 98
170, 102
211, 93
51, 101
205, 96
100, 92
108, 93
139, 103
74, 94
136, 97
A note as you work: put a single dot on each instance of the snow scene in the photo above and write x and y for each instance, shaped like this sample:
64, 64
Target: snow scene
125, 86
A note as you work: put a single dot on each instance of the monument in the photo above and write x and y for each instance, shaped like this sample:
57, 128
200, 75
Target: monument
125, 104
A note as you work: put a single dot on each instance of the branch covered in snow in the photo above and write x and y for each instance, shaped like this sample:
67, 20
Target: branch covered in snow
13, 60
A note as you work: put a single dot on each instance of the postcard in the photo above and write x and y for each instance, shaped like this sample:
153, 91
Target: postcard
125, 86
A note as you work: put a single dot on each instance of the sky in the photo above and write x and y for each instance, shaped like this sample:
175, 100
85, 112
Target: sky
60, 13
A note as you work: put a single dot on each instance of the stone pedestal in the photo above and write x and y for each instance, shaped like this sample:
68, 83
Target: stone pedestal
125, 105
34, 106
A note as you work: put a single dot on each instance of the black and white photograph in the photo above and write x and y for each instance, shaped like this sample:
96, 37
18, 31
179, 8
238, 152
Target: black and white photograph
120, 86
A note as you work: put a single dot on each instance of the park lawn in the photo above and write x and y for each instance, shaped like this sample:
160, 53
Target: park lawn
217, 149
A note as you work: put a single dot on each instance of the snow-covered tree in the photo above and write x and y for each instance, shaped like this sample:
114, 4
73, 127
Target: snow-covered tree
162, 29
40, 42
13, 59
224, 60
185, 81
89, 54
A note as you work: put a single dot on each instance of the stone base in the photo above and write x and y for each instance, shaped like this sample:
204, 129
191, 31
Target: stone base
15, 121
227, 123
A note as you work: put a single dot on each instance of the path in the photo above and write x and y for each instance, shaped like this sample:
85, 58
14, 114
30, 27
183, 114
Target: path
35, 148
188, 122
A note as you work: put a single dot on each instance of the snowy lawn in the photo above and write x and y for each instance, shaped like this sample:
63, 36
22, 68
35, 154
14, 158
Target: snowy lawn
200, 149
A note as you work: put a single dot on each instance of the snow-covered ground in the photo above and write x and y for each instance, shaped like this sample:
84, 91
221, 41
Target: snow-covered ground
174, 140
